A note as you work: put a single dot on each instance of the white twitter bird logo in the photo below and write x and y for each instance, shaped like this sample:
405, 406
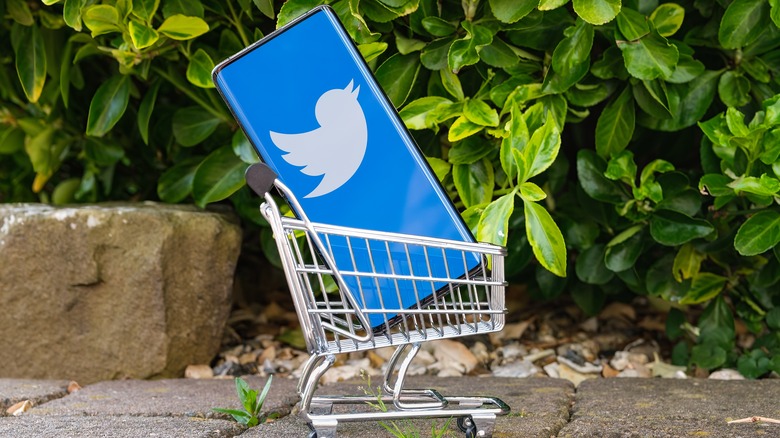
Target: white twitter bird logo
335, 149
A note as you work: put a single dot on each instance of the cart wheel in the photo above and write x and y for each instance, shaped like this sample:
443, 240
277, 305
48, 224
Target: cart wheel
313, 434
465, 423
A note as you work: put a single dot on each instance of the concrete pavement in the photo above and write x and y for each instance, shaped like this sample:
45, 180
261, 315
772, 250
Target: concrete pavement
541, 407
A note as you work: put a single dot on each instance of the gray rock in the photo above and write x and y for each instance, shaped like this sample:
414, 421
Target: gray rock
112, 291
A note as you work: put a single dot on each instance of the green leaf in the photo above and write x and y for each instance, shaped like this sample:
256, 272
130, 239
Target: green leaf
452, 84
668, 18
498, 54
734, 89
743, 22
590, 266
479, 112
416, 114
142, 35
181, 27
469, 151
266, 7
175, 184
474, 182
145, 9
434, 55
218, 176
708, 356
615, 125
510, 11
622, 168
397, 75
108, 105
31, 61
11, 139
240, 416
19, 10
192, 125
101, 19
545, 238
590, 172
705, 286
438, 27
764, 186
549, 5
199, 69
632, 24
145, 110
531, 192
542, 148
71, 13
571, 58
687, 262
494, 222
462, 128
689, 103
597, 11
516, 140
653, 98
182, 7
650, 57
672, 228
370, 51
624, 249
293, 9
760, 233
464, 51
716, 324
687, 69
440, 167
243, 148
773, 319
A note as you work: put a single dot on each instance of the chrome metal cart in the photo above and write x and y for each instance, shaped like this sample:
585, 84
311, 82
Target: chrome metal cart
333, 320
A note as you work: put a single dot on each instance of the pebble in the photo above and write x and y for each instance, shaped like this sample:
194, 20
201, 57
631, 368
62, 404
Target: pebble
199, 371
727, 374
519, 369
514, 350
585, 368
453, 354
572, 375
19, 408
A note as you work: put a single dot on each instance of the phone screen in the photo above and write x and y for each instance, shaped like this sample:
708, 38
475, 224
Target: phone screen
311, 107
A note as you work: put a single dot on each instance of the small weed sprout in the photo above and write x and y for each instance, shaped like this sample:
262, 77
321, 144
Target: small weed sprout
252, 403
406, 429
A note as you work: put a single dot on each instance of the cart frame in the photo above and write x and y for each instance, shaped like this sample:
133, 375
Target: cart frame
333, 321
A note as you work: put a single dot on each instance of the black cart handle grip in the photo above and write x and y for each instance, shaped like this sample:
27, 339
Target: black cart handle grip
260, 178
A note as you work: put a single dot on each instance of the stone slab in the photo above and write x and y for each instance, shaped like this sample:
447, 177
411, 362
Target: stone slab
167, 398
673, 408
116, 427
540, 407
113, 291
13, 391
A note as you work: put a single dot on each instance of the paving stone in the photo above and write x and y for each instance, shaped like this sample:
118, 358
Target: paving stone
540, 407
13, 391
673, 408
166, 398
116, 427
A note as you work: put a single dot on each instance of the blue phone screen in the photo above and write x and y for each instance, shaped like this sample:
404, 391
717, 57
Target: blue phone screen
317, 117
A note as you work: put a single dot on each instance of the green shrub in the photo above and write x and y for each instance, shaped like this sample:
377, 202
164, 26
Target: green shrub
615, 147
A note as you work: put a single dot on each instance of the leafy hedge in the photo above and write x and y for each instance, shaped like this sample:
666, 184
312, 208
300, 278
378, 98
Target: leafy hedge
615, 147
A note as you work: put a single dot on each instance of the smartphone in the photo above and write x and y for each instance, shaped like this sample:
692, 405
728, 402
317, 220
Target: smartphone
312, 109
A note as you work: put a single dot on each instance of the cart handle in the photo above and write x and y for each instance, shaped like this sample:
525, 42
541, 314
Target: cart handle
260, 178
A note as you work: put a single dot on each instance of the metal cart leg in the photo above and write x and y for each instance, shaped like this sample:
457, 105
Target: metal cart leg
309, 384
397, 390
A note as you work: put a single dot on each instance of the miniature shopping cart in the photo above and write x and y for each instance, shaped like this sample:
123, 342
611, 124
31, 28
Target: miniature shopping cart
333, 320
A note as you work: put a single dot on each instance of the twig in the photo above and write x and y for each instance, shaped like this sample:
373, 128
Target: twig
755, 420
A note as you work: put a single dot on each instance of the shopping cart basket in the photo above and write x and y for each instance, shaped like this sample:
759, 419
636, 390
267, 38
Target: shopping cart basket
333, 320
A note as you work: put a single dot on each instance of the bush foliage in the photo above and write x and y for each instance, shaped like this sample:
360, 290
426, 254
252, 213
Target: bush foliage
615, 147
